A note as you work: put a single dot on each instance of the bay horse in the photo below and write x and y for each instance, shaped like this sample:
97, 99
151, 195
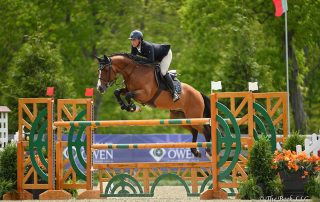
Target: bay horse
141, 86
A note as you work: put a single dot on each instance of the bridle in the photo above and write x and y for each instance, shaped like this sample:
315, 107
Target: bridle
102, 65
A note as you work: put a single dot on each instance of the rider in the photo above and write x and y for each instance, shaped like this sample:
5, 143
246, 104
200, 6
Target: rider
154, 53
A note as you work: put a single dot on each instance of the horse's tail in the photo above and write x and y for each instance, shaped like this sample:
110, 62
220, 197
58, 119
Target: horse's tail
207, 114
207, 107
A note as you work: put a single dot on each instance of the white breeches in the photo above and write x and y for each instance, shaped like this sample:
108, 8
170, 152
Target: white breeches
165, 63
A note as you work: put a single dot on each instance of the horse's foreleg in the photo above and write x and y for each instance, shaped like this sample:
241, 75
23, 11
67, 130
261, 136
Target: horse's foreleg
131, 106
118, 93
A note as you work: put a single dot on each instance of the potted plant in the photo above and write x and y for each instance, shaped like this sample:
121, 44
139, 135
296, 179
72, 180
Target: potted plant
295, 170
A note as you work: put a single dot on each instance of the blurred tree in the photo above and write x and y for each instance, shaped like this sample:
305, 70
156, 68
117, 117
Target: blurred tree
34, 67
246, 41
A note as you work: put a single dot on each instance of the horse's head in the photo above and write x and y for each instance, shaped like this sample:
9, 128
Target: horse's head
106, 74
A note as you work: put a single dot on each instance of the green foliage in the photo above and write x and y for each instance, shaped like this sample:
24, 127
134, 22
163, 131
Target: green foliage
8, 169
274, 187
260, 162
36, 66
293, 140
231, 41
249, 189
260, 173
6, 186
313, 186
8, 163
73, 192
237, 42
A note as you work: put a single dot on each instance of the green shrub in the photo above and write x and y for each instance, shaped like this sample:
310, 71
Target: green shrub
249, 189
6, 186
260, 162
262, 180
313, 187
274, 187
73, 192
293, 140
8, 163
8, 169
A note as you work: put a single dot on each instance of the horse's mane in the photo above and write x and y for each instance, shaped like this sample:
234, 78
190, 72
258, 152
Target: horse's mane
135, 58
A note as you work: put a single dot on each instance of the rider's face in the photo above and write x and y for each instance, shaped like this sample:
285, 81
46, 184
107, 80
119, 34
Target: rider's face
135, 42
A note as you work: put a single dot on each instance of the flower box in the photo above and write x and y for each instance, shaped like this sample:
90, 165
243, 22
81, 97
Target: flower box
293, 184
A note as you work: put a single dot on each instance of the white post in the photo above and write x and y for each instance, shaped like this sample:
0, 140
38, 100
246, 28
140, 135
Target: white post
253, 86
216, 85
299, 149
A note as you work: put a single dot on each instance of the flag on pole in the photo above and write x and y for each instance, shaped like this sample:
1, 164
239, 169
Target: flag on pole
281, 7
89, 92
50, 91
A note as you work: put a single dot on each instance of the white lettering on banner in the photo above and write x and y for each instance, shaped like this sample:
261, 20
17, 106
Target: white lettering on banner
189, 154
180, 154
109, 154
66, 153
103, 154
95, 154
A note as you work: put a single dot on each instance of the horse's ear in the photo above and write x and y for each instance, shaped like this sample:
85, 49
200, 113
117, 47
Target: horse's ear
106, 59
97, 58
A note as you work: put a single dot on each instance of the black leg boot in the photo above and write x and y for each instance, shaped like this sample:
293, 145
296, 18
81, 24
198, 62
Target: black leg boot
169, 82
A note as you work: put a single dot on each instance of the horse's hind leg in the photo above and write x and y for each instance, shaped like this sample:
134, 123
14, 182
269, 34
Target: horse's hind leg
194, 133
207, 134
204, 129
179, 114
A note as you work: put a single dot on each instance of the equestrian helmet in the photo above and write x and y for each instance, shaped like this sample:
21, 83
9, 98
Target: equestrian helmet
136, 34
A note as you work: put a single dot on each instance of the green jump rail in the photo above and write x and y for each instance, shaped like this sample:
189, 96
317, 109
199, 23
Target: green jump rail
153, 145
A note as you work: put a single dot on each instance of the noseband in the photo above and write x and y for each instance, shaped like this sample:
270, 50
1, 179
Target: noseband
102, 65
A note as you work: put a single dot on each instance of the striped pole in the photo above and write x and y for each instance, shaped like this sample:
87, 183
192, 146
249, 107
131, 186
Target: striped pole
155, 122
153, 145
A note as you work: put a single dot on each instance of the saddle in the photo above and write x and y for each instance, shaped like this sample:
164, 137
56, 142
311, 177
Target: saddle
162, 83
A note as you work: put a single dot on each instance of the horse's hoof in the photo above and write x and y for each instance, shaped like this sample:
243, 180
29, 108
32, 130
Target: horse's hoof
138, 109
132, 108
208, 155
196, 153
199, 155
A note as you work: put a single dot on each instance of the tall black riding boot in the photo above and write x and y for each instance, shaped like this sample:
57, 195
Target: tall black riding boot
169, 82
